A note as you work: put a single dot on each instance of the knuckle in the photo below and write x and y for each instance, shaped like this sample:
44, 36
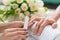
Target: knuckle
5, 35
18, 32
22, 36
42, 26
47, 21
6, 30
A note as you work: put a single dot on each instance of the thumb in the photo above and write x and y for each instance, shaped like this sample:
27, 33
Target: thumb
16, 24
54, 25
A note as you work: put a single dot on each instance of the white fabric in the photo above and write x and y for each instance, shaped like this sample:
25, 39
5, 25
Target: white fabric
51, 34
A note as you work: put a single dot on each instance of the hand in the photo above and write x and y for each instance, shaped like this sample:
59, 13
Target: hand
14, 34
42, 23
16, 24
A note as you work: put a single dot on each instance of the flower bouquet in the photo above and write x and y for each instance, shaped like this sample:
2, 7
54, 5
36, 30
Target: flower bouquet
22, 8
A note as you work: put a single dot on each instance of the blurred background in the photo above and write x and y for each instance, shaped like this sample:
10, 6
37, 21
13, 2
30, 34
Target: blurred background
52, 4
0, 2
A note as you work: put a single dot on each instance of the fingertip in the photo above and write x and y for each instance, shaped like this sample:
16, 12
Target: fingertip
34, 32
39, 33
54, 25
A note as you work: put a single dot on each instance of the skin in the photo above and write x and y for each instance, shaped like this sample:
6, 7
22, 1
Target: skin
43, 22
14, 34
15, 24
13, 31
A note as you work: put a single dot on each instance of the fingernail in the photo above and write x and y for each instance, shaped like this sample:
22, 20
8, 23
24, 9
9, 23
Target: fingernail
38, 34
54, 25
26, 36
27, 32
34, 33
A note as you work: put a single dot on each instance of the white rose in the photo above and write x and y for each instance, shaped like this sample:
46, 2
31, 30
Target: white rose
32, 15
14, 6
40, 12
33, 7
27, 13
40, 3
37, 14
19, 1
24, 7
5, 8
30, 1
21, 16
17, 11
7, 2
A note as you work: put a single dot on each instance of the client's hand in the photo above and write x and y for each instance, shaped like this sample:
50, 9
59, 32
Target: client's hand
42, 23
14, 34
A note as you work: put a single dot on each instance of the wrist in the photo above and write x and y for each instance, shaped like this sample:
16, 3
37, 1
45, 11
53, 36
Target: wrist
57, 13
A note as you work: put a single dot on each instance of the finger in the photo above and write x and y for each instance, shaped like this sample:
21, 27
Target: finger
22, 39
14, 29
34, 19
15, 24
17, 37
21, 24
54, 25
37, 27
22, 36
42, 26
10, 34
30, 25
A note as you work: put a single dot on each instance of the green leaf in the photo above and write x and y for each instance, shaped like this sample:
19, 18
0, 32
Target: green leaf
13, 2
6, 15
15, 15
34, 1
9, 13
1, 19
46, 9
12, 11
1, 11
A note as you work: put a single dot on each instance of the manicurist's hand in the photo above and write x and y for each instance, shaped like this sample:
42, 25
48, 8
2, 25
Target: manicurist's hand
14, 34
14, 24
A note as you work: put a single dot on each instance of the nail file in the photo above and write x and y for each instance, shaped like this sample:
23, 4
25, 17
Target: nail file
26, 22
26, 27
